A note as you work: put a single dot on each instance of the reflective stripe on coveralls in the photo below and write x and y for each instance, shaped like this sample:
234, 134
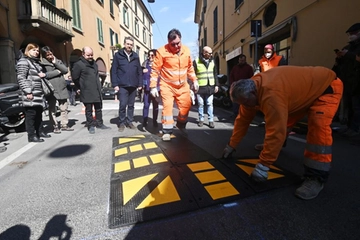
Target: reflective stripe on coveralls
203, 73
318, 150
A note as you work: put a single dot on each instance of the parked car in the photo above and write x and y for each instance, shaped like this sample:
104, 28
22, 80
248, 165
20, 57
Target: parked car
108, 92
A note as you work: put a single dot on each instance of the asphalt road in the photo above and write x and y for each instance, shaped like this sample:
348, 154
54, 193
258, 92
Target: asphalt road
60, 189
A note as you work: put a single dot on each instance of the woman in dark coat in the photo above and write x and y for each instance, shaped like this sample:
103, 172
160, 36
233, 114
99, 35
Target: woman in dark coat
29, 74
54, 73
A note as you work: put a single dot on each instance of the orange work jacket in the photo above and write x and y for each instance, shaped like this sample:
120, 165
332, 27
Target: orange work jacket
266, 64
173, 69
281, 92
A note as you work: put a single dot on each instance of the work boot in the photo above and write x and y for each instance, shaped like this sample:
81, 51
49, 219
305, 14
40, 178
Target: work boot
201, 123
181, 126
260, 173
309, 189
166, 137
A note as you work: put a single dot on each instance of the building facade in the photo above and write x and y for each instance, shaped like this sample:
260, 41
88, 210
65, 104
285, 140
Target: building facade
69, 25
305, 32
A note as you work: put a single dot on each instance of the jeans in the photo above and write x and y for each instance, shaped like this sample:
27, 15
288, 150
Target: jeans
148, 99
126, 98
202, 98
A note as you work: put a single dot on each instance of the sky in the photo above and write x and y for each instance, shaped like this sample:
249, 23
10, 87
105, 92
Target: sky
169, 14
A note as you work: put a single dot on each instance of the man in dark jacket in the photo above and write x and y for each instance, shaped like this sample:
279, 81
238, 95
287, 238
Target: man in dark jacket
349, 71
126, 79
86, 78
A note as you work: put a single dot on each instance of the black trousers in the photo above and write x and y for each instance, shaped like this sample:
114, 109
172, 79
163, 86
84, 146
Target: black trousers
90, 121
33, 120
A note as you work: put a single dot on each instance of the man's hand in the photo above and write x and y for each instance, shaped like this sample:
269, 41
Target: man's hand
154, 92
216, 89
227, 151
116, 88
196, 86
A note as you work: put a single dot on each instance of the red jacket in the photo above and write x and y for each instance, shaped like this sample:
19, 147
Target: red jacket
241, 72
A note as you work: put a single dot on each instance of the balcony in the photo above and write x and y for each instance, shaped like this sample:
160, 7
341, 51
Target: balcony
41, 15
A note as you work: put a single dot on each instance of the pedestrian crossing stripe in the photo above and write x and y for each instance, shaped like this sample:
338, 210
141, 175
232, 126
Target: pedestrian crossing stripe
139, 162
134, 138
253, 162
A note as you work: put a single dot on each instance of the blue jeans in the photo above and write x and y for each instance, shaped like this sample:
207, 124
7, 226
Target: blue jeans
126, 98
202, 98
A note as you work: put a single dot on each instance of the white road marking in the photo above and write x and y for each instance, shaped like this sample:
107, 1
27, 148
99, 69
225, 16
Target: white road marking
15, 155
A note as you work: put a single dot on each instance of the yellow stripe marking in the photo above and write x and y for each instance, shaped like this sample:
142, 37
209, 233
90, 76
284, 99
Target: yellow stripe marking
140, 162
255, 161
122, 166
165, 192
150, 145
121, 151
210, 176
195, 167
248, 170
221, 190
131, 139
136, 148
158, 158
131, 187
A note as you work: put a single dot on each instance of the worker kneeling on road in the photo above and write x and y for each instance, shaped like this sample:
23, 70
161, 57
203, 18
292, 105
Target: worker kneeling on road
286, 94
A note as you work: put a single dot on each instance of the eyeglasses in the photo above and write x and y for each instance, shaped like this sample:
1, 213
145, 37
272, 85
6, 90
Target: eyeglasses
175, 44
151, 55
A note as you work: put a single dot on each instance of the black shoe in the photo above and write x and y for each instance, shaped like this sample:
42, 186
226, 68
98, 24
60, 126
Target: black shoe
44, 135
145, 124
155, 124
35, 139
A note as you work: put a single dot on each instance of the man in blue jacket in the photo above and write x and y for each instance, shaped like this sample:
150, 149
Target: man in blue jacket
126, 79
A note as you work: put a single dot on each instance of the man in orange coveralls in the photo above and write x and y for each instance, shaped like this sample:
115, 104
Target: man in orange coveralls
173, 65
285, 95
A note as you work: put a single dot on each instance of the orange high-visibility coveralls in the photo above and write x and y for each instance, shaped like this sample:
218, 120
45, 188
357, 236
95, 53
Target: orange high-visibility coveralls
266, 64
174, 70
286, 94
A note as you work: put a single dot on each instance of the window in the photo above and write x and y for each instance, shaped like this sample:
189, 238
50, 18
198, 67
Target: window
76, 14
204, 5
143, 18
137, 50
100, 31
111, 7
144, 35
135, 7
101, 1
215, 15
126, 16
137, 30
238, 3
113, 38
